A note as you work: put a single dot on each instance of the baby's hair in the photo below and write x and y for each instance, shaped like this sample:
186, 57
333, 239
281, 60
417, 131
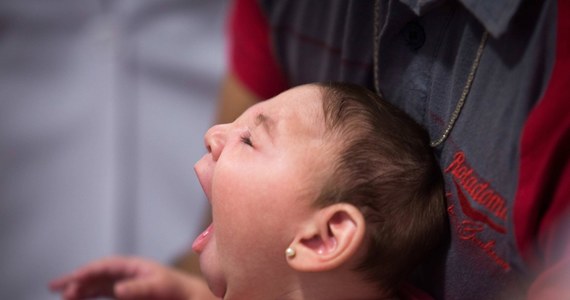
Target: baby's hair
386, 168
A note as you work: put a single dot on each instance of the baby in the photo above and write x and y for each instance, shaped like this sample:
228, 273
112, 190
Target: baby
322, 192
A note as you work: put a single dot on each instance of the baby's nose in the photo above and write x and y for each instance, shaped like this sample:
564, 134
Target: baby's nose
215, 140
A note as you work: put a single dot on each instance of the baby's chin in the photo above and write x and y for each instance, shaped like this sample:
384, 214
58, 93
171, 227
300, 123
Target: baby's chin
217, 287
210, 267
216, 284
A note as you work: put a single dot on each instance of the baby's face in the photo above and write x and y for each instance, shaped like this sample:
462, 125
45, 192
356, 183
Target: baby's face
261, 174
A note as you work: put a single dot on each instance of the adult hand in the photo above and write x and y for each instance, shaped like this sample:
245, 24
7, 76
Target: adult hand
130, 278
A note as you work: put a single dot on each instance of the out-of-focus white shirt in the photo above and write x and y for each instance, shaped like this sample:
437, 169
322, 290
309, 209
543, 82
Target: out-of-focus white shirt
103, 105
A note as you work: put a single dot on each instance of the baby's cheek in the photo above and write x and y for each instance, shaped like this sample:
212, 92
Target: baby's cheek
234, 220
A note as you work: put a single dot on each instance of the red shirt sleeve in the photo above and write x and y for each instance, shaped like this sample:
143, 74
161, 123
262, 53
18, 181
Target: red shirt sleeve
542, 208
251, 56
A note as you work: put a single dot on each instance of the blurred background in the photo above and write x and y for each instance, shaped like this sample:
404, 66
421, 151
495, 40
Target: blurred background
103, 106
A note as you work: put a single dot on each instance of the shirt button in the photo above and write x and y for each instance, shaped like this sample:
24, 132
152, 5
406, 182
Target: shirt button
414, 35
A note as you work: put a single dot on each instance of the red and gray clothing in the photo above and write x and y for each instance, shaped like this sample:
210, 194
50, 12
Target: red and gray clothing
506, 161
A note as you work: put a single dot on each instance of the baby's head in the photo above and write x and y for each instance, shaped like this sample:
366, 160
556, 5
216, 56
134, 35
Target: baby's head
386, 168
343, 179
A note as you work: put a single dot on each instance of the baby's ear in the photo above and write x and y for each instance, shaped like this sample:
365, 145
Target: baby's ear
331, 237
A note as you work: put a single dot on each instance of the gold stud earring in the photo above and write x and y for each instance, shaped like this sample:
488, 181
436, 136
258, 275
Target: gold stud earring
290, 252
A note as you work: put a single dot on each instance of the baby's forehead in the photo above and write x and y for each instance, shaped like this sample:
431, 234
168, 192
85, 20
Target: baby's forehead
309, 100
300, 108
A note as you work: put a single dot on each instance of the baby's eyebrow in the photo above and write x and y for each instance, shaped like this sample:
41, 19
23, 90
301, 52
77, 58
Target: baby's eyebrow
266, 121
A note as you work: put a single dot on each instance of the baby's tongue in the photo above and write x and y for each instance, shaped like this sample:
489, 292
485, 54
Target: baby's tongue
202, 239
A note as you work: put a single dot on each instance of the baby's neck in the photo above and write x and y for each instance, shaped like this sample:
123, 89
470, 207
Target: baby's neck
317, 286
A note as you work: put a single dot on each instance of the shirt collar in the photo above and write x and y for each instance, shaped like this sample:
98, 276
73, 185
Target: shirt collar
494, 15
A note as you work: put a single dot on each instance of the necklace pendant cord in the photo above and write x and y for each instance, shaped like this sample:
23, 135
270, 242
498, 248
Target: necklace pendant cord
464, 93
460, 103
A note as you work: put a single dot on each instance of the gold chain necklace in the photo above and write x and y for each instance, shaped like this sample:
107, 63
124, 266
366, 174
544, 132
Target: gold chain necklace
466, 88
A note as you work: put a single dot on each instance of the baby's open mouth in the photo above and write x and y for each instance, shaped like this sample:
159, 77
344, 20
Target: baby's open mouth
203, 169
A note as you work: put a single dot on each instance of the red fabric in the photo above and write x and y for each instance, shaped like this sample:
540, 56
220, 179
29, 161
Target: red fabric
542, 207
251, 58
